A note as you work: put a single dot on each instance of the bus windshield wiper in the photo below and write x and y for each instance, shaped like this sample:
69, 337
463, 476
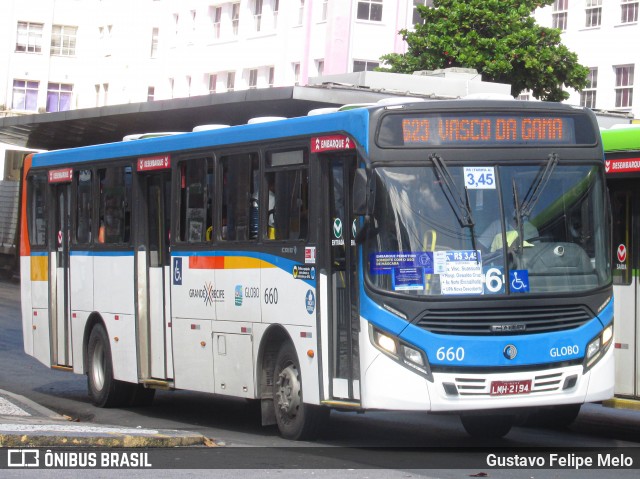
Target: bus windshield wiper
523, 210
462, 208
536, 188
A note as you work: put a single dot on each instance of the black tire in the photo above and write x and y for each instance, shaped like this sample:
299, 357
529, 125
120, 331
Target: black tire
295, 419
556, 417
104, 390
487, 427
141, 396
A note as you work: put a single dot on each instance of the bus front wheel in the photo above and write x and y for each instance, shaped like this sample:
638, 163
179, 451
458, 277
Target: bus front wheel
296, 420
488, 427
104, 390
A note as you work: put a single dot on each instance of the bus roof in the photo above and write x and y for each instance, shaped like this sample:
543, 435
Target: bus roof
353, 122
621, 139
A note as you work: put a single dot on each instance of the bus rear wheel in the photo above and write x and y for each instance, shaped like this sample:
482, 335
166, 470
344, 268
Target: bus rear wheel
488, 427
295, 419
104, 390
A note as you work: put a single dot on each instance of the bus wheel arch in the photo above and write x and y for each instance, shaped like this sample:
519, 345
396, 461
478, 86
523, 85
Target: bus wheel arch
281, 390
104, 390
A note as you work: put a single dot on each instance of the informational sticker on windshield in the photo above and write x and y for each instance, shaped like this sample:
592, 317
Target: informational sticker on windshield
460, 272
385, 262
479, 178
407, 279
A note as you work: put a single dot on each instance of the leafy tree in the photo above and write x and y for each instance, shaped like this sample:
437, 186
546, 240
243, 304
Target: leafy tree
500, 39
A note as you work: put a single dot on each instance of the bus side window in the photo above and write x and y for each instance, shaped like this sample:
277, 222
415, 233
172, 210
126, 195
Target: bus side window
240, 188
84, 200
115, 206
37, 211
195, 200
287, 201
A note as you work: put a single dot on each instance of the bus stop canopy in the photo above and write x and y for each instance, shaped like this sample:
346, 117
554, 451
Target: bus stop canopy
69, 129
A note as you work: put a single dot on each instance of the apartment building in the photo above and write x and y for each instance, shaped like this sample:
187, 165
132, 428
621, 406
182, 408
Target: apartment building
604, 34
59, 55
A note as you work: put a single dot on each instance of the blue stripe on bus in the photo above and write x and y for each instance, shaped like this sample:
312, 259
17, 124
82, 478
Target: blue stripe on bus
277, 261
39, 253
352, 122
101, 253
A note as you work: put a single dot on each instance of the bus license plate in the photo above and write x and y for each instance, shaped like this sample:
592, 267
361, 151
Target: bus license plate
504, 388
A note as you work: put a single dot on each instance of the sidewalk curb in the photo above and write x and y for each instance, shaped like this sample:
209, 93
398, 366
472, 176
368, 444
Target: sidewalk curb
36, 426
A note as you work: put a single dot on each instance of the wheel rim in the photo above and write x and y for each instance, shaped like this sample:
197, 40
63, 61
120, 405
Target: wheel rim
98, 366
288, 392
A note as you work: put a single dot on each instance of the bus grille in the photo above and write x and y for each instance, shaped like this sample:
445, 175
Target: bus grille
504, 321
478, 386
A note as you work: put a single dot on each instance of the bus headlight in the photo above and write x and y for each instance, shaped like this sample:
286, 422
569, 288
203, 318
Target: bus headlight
384, 342
597, 347
410, 357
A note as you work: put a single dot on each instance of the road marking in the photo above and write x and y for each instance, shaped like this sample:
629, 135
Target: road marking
7, 408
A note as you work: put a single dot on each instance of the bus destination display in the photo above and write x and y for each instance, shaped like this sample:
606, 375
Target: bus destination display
477, 130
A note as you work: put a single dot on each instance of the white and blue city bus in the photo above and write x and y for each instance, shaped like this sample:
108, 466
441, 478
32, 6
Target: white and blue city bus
448, 257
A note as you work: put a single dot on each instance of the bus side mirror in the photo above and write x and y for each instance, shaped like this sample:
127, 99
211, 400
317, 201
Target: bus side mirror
362, 193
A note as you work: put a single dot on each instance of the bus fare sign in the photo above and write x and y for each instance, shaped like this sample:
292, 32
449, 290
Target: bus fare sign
320, 144
149, 163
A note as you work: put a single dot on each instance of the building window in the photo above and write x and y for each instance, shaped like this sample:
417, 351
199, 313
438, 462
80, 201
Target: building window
29, 37
588, 95
231, 81
176, 24
594, 13
560, 12
416, 14
63, 40
276, 9
370, 10
320, 67
25, 95
213, 81
257, 14
296, 74
253, 79
323, 12
629, 11
272, 75
59, 97
154, 42
216, 19
364, 66
235, 18
301, 13
524, 96
151, 93
624, 86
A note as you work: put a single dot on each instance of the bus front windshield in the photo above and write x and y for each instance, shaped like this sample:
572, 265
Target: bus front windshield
442, 230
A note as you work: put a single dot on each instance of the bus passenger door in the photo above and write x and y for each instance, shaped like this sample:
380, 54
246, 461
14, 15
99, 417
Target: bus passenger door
625, 206
59, 277
341, 290
156, 214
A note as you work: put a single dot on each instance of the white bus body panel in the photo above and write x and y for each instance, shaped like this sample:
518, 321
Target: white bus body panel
233, 363
78, 324
388, 385
25, 304
121, 330
81, 282
192, 354
113, 285
625, 337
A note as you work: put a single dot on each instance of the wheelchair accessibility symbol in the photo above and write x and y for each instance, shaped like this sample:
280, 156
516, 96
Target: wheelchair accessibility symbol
519, 279
177, 271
